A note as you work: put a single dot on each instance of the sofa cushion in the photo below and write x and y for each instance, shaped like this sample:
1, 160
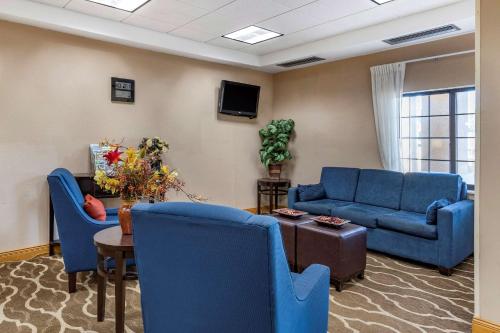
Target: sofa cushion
311, 192
362, 214
420, 189
409, 223
320, 207
379, 188
432, 211
340, 183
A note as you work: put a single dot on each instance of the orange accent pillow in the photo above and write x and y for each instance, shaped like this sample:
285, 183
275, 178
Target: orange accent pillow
95, 208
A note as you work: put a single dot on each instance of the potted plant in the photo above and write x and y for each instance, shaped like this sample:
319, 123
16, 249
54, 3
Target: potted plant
134, 179
275, 137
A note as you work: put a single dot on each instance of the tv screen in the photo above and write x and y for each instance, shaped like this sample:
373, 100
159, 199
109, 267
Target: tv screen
239, 99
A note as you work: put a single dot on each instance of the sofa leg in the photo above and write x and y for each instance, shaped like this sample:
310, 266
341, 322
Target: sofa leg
445, 271
72, 282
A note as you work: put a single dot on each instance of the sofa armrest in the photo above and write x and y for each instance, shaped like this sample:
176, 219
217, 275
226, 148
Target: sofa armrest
455, 224
314, 277
293, 196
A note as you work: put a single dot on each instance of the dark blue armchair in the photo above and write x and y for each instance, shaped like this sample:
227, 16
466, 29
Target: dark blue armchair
76, 228
206, 268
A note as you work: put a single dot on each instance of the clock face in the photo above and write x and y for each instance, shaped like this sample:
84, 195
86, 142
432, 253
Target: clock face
122, 90
123, 85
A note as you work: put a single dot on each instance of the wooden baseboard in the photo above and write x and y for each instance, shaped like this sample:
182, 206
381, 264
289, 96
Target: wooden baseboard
24, 254
483, 326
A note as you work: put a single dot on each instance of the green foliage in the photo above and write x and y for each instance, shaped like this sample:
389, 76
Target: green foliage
275, 137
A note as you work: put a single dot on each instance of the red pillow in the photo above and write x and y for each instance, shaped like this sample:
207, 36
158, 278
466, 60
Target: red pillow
95, 208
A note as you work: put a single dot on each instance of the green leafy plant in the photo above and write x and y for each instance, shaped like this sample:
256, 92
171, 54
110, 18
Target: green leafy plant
275, 137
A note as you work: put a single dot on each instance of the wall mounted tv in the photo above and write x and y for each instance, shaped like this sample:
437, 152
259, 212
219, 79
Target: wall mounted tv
238, 99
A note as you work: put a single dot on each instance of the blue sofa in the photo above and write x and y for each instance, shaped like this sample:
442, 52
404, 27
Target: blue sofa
392, 206
76, 228
207, 268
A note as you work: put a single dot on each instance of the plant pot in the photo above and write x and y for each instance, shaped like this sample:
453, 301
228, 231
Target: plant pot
275, 171
125, 216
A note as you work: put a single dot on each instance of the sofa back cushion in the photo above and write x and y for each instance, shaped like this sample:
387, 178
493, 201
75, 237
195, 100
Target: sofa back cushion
380, 188
340, 183
420, 189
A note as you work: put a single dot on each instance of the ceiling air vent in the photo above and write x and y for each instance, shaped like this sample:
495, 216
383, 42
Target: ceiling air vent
300, 62
422, 34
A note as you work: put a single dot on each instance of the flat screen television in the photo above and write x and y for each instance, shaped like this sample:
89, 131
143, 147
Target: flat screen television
239, 99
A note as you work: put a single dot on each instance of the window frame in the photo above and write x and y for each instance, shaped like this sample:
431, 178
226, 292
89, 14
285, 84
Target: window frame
452, 125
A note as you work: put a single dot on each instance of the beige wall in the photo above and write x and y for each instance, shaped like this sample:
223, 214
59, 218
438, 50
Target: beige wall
55, 100
487, 256
332, 103
456, 71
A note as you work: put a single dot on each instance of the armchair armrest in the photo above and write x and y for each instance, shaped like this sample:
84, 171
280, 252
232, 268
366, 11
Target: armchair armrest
455, 224
292, 196
315, 277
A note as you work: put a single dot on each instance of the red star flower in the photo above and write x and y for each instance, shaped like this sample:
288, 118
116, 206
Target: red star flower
112, 156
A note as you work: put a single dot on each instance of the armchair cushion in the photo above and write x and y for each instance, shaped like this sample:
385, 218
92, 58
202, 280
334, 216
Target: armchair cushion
95, 208
311, 192
432, 210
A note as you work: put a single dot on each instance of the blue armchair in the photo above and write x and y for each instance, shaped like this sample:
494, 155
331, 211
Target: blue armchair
207, 268
76, 228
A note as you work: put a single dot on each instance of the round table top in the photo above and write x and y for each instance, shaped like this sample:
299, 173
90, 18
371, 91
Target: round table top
113, 238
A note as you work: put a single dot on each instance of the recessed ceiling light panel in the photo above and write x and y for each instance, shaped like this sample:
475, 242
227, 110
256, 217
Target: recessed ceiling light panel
252, 35
381, 2
127, 5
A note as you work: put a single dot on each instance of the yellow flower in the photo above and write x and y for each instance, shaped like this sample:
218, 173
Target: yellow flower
131, 154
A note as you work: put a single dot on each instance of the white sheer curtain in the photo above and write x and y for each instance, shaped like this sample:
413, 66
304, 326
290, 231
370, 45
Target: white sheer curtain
387, 88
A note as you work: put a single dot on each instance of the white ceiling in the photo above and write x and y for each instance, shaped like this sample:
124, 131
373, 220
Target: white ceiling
328, 28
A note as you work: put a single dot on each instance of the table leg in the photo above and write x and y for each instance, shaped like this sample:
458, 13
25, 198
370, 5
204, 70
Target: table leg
271, 198
276, 195
258, 199
101, 288
119, 292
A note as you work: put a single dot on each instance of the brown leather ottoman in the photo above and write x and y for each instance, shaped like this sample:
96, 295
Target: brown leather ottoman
288, 228
343, 250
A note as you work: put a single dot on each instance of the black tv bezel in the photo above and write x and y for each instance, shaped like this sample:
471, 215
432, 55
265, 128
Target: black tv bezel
235, 112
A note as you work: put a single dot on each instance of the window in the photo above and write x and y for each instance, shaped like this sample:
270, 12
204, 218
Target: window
437, 132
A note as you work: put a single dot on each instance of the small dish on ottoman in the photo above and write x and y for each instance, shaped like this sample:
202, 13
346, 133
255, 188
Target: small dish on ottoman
330, 221
288, 212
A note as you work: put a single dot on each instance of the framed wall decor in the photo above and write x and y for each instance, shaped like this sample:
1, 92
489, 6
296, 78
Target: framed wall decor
122, 90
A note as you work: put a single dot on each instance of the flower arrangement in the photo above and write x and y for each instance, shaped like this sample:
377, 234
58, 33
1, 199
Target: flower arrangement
135, 179
153, 148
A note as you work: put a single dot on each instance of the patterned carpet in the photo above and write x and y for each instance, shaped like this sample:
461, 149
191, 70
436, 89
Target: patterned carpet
395, 296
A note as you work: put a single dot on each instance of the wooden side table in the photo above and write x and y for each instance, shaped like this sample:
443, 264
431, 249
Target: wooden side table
273, 187
111, 243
